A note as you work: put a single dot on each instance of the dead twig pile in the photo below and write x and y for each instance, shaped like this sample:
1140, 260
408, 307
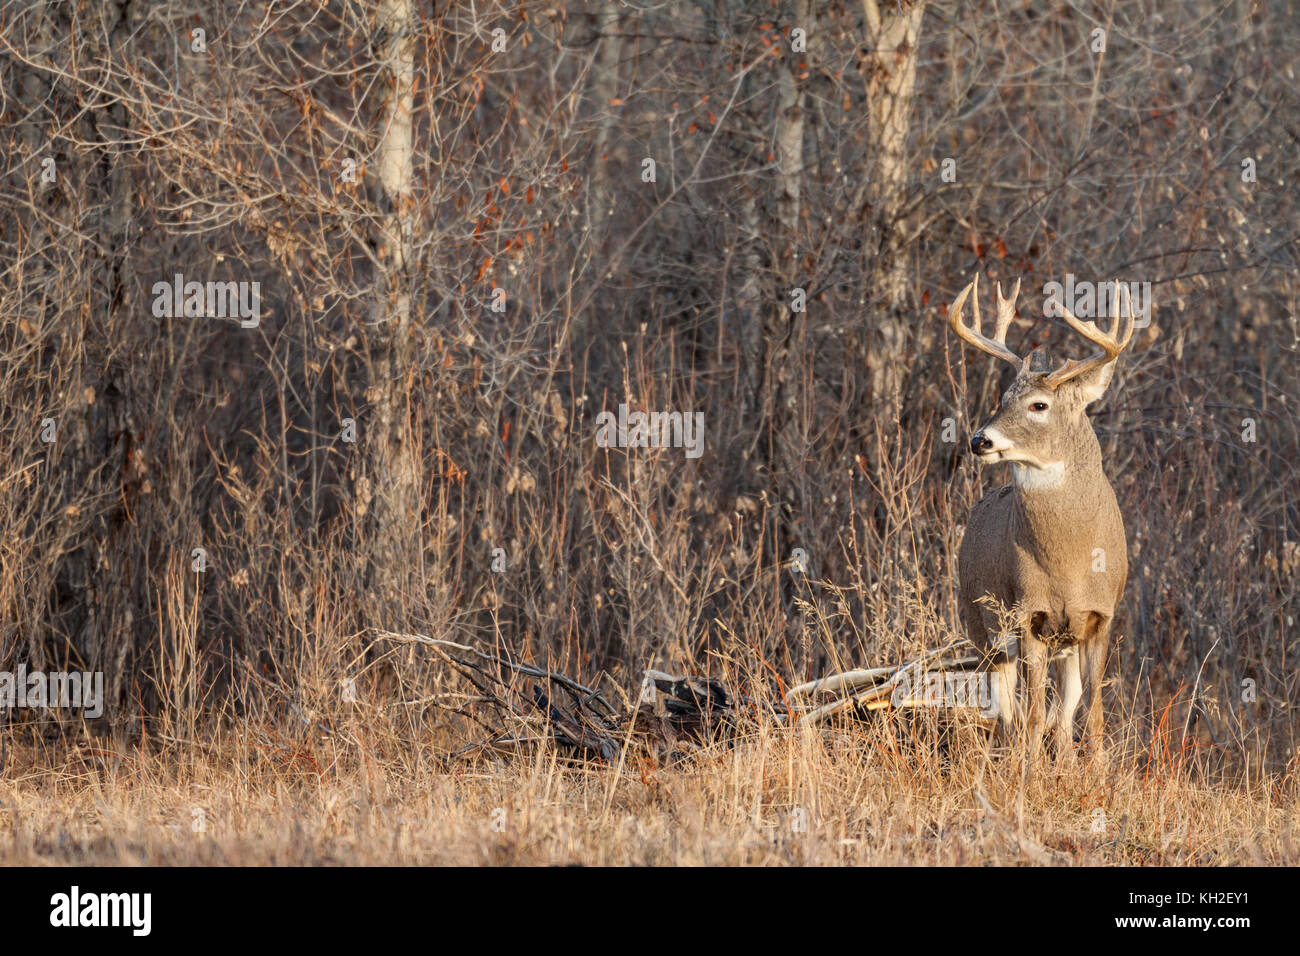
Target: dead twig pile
520, 704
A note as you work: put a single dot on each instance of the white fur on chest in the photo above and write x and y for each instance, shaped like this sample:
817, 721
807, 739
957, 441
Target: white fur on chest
1032, 478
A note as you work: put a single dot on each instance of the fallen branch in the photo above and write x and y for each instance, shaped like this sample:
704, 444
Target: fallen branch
670, 712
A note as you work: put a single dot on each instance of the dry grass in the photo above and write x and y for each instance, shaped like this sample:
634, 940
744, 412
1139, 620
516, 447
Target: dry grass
854, 794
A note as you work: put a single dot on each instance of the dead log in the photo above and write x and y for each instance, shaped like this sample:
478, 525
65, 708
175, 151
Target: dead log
523, 705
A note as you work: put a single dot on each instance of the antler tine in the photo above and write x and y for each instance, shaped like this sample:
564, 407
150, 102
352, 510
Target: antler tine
996, 346
1123, 342
1111, 343
1006, 312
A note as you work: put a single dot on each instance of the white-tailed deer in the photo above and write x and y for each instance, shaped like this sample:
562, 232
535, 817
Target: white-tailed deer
1050, 545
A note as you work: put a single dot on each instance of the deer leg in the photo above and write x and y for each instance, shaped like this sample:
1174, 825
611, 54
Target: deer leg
1035, 654
1002, 677
1069, 690
1094, 665
1004, 682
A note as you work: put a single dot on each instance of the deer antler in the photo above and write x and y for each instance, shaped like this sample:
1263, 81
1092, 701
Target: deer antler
1112, 342
996, 346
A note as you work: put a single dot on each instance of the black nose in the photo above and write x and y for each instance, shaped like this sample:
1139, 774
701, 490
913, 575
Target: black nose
980, 444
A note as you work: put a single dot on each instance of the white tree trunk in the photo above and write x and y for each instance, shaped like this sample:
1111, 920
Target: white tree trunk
397, 21
604, 87
784, 328
393, 461
891, 82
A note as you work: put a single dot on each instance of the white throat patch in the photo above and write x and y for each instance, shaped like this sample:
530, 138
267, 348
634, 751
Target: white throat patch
1038, 478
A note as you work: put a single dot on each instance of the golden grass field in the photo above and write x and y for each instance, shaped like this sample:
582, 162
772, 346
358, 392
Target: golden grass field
382, 777
843, 796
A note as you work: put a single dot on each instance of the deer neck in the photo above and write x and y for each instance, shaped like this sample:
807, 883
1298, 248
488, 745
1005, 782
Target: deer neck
1056, 503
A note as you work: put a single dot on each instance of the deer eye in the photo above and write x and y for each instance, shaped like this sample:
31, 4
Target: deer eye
1038, 407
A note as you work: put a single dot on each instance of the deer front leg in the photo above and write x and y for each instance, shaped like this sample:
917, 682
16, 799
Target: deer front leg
1035, 654
1094, 666
1069, 690
1002, 678
1004, 685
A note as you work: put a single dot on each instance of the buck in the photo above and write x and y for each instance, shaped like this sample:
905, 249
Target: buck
1050, 546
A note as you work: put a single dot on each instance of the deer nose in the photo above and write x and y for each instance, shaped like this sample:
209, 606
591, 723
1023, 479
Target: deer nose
980, 443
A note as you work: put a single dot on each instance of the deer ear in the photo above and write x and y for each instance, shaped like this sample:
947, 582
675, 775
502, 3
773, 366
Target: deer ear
1093, 383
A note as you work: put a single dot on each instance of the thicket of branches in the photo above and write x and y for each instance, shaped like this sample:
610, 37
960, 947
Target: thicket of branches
391, 170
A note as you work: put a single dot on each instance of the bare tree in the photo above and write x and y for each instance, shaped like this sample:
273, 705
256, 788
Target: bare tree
894, 41
392, 464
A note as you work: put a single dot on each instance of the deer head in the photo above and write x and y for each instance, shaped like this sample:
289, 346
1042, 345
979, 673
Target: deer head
1040, 425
